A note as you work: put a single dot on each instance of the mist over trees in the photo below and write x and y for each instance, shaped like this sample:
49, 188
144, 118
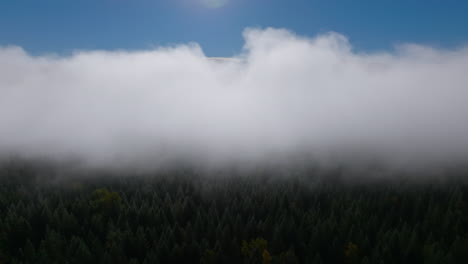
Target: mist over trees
183, 216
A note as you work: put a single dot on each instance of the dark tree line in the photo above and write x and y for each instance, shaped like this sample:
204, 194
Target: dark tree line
181, 217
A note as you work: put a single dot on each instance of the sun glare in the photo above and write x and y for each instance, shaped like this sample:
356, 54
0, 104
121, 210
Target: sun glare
214, 3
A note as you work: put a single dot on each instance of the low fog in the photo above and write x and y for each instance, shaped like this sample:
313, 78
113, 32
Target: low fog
284, 95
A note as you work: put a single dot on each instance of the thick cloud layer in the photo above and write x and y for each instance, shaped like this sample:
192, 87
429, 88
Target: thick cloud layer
283, 95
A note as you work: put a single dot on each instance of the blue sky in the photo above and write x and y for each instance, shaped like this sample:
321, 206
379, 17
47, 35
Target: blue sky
61, 26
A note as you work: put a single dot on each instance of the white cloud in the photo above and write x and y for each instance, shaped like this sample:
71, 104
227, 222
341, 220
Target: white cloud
284, 94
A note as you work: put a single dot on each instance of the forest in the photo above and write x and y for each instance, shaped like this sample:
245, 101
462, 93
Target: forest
187, 216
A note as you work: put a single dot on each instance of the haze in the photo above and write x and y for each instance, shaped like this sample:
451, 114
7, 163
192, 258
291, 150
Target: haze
284, 95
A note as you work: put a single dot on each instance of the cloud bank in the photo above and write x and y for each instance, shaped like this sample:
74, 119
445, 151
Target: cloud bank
283, 95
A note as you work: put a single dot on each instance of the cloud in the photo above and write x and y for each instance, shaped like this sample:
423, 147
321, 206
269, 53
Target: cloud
283, 95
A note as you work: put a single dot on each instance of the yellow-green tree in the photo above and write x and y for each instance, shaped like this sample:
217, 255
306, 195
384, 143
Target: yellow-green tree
351, 253
266, 257
106, 201
256, 251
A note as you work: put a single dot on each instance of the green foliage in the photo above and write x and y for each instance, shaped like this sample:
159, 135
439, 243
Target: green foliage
352, 253
266, 257
254, 247
105, 201
209, 257
182, 218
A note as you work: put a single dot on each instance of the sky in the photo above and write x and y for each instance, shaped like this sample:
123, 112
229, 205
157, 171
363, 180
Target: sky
133, 82
64, 26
